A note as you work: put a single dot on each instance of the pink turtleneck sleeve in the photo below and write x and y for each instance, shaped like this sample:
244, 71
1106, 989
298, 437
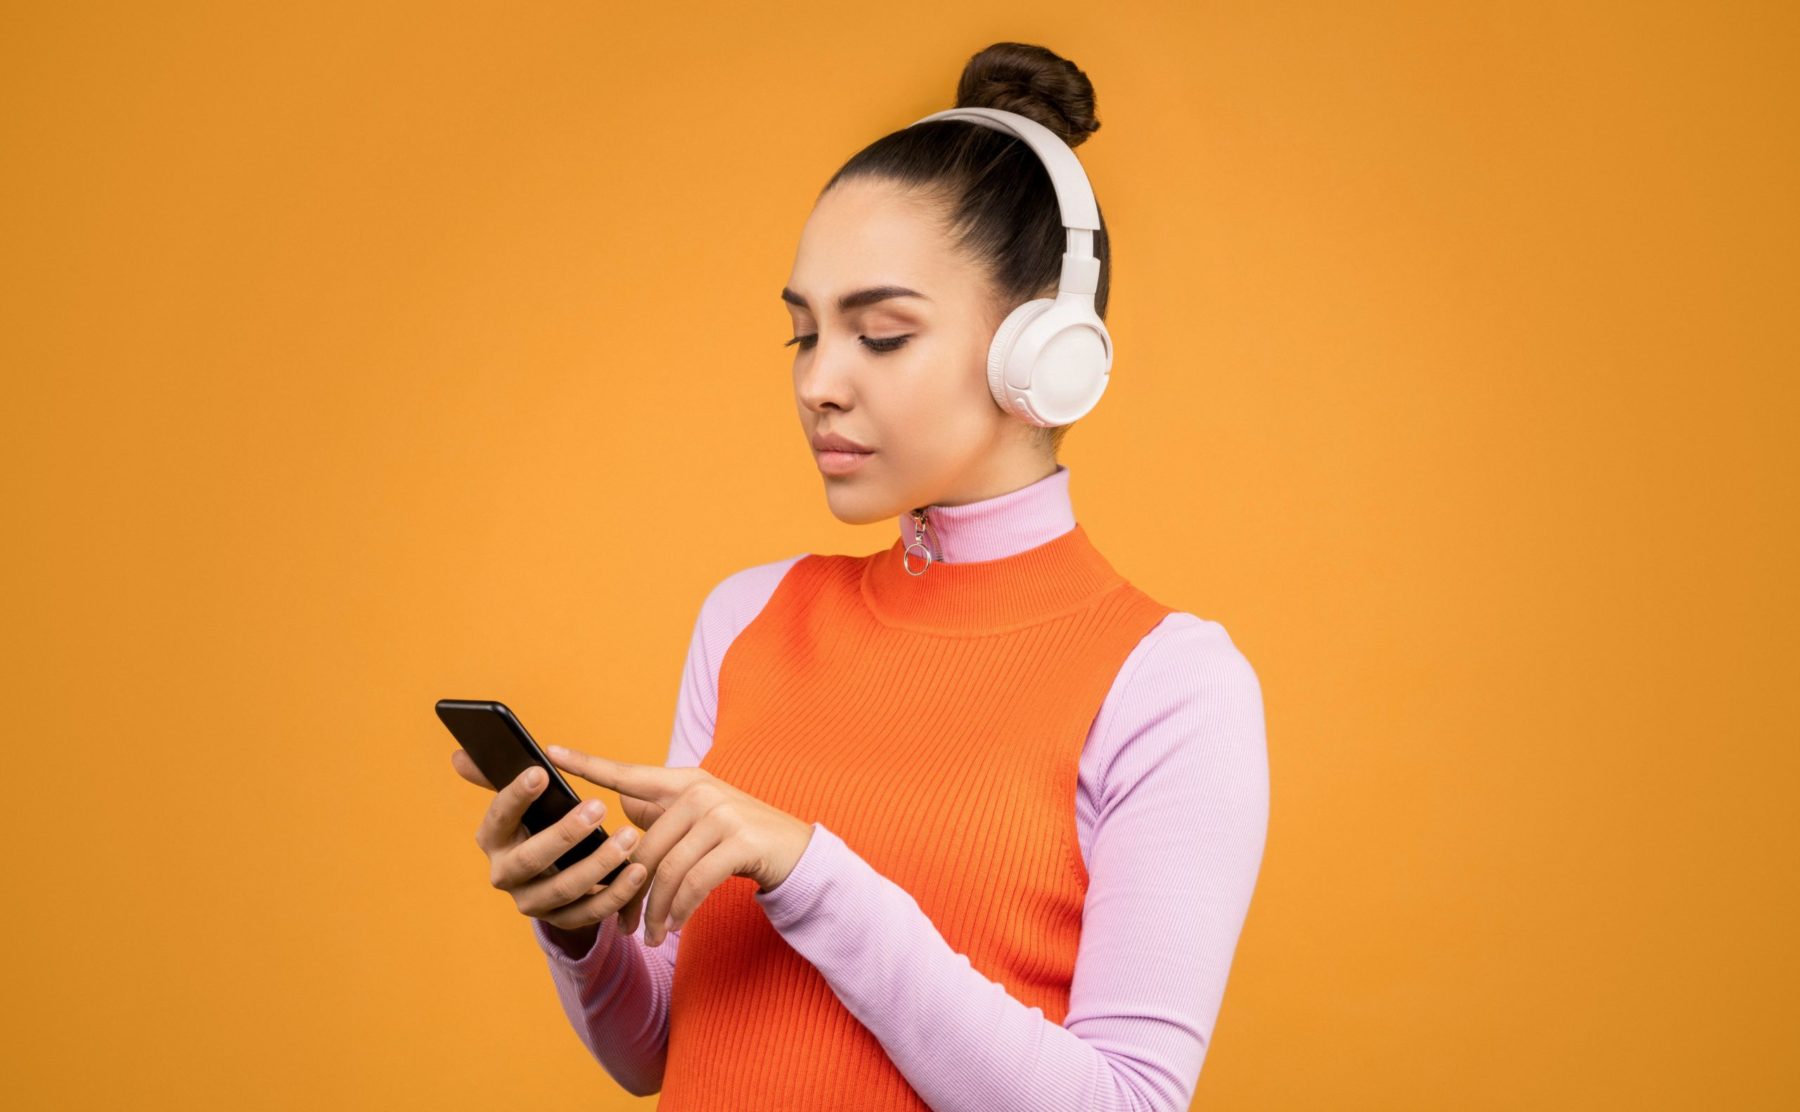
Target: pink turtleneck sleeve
1171, 813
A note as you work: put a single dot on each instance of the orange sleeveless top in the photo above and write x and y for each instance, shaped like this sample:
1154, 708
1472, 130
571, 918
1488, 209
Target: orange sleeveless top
935, 723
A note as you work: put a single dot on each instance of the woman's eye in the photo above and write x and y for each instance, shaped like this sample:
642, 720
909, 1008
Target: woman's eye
875, 344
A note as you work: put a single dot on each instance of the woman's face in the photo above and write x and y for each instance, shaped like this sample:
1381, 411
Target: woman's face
901, 373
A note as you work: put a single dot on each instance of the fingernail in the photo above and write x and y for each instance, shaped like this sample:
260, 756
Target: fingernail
534, 777
557, 749
627, 838
591, 809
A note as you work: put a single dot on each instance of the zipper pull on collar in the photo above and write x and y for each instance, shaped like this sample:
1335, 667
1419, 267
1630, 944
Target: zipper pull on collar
921, 528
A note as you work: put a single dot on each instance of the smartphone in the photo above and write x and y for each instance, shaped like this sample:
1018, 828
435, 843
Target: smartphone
496, 740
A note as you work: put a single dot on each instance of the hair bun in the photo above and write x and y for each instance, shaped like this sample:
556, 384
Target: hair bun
1034, 82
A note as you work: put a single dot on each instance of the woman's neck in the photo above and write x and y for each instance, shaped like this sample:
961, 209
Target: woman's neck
996, 527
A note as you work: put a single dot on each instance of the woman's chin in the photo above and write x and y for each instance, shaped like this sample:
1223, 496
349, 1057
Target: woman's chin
857, 503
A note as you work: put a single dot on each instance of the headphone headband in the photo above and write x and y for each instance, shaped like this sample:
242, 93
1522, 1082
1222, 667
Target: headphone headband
1074, 193
1050, 359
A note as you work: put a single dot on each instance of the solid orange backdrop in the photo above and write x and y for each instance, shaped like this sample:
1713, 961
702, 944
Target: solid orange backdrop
362, 355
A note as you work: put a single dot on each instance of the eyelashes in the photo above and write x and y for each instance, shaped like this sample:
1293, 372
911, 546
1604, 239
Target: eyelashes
877, 345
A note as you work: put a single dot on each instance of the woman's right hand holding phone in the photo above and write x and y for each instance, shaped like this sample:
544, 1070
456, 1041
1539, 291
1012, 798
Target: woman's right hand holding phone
572, 900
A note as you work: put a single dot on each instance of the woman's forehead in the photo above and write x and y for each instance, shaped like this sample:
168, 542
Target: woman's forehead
860, 235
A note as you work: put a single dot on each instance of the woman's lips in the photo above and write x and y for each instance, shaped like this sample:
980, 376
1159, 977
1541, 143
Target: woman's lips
841, 463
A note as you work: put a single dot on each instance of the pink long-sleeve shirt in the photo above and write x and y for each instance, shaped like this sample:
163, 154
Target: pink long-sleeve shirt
1171, 813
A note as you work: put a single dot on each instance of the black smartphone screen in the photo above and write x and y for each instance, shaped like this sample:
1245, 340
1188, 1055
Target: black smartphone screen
496, 741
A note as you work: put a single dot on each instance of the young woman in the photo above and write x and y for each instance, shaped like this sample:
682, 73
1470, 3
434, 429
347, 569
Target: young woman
969, 822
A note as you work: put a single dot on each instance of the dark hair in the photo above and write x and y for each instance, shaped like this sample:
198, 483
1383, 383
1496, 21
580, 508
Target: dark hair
1000, 203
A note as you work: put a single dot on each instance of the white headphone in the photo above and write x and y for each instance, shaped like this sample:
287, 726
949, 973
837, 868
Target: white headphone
1051, 357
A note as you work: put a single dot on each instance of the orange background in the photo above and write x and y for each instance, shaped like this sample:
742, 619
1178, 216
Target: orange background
356, 358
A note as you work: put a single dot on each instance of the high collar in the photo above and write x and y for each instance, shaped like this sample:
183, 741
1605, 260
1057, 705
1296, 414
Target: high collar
1010, 560
998, 526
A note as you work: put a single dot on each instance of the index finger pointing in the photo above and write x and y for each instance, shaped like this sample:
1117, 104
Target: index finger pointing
654, 783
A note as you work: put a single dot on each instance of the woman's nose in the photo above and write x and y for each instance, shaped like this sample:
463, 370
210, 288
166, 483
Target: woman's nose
822, 377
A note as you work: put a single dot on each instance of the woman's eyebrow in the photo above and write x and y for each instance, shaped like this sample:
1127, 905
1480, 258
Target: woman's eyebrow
857, 299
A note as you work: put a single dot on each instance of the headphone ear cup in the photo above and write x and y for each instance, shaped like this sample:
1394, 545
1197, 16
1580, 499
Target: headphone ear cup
1050, 362
1071, 366
1000, 353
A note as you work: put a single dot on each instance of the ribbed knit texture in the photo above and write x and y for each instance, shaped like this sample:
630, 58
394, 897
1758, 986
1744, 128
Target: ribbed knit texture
862, 697
1170, 812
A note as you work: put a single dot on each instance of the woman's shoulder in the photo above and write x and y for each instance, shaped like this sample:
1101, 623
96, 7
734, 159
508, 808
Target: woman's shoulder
1185, 655
741, 595
1183, 635
1187, 669
733, 601
1186, 708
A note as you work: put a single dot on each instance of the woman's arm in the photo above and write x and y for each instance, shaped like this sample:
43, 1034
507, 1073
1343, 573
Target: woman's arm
615, 993
1176, 798
616, 996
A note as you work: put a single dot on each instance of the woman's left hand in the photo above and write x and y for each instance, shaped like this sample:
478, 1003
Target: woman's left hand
698, 830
